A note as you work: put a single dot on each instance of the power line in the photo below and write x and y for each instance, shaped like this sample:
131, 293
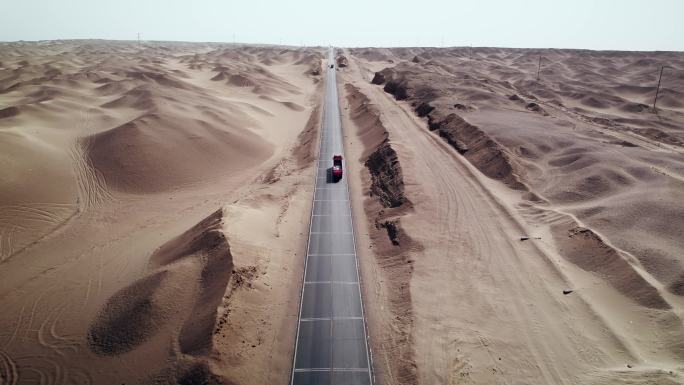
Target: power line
658, 87
538, 67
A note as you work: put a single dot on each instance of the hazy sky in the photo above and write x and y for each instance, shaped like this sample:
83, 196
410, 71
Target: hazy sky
593, 24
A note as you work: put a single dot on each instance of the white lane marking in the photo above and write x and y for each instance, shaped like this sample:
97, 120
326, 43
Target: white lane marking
328, 255
369, 355
313, 319
306, 259
332, 123
333, 282
329, 369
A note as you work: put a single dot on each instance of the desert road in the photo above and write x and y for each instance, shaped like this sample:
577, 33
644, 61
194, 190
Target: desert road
331, 345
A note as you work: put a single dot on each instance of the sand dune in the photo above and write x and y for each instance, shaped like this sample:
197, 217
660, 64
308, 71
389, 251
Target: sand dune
119, 163
187, 280
141, 156
129, 317
576, 157
384, 206
590, 169
154, 204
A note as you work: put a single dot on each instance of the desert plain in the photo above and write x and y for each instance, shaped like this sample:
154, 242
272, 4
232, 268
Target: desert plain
519, 213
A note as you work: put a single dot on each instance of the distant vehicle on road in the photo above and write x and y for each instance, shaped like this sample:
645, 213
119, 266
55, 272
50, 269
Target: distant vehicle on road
332, 66
337, 167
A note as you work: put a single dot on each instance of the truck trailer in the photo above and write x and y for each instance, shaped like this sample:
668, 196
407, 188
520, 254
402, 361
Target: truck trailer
337, 167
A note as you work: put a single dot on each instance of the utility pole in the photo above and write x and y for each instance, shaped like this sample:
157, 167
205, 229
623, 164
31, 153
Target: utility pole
538, 67
658, 88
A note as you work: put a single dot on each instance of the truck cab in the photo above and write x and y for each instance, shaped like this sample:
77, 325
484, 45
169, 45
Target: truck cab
337, 167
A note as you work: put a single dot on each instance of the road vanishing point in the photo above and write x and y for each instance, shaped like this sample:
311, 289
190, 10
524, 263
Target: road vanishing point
331, 345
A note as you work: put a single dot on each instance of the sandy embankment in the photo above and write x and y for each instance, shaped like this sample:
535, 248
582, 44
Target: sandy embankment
488, 155
153, 209
377, 188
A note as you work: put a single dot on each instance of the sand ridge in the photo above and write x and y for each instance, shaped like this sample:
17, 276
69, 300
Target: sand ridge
601, 166
154, 204
122, 167
578, 175
380, 207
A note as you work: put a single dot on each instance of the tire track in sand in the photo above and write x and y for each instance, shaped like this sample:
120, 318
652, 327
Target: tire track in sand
22, 225
9, 375
92, 187
47, 370
51, 367
48, 336
477, 237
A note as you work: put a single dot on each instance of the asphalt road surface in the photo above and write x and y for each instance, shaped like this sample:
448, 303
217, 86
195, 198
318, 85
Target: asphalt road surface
331, 345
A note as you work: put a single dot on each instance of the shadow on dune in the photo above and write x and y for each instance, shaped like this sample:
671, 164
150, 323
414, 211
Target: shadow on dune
179, 296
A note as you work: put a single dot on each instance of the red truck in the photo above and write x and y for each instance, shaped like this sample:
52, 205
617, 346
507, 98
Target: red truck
337, 167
